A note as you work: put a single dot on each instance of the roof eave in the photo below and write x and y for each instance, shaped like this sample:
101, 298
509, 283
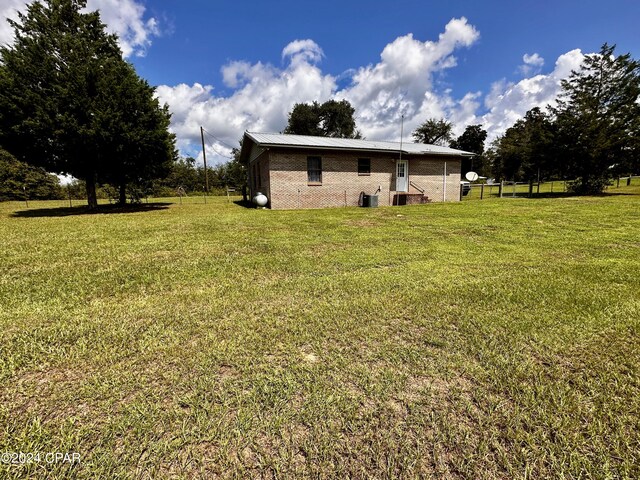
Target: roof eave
350, 149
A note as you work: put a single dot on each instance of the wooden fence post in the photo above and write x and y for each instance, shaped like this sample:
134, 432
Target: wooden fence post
481, 191
501, 188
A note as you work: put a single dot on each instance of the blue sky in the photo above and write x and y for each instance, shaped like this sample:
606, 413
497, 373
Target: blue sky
231, 66
206, 35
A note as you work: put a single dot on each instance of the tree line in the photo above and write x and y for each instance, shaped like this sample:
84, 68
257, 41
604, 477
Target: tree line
589, 136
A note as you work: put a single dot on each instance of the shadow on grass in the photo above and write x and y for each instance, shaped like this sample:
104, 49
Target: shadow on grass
84, 210
570, 194
244, 203
542, 195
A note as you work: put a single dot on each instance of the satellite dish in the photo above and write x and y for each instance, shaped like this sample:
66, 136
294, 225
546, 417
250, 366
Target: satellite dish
471, 176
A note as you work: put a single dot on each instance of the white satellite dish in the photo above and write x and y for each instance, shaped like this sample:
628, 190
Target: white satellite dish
471, 176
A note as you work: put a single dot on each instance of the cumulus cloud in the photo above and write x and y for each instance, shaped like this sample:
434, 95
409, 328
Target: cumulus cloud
263, 98
507, 102
532, 64
238, 74
126, 18
9, 9
303, 51
402, 83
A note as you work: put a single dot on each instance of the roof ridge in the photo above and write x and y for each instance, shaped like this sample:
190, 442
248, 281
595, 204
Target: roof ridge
337, 138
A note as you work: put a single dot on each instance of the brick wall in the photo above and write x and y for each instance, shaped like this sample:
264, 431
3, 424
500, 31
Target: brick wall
287, 186
341, 184
428, 174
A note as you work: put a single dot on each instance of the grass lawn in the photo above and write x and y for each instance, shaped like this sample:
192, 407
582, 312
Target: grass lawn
482, 339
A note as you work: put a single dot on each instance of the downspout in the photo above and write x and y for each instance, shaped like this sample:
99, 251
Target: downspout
444, 183
400, 160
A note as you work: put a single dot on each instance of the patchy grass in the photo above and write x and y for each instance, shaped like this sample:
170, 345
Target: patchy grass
493, 339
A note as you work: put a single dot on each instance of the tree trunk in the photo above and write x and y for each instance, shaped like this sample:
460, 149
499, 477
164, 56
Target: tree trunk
92, 199
122, 200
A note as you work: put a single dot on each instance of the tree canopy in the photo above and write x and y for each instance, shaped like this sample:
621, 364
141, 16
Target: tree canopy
69, 103
591, 135
331, 119
527, 150
598, 118
472, 140
434, 132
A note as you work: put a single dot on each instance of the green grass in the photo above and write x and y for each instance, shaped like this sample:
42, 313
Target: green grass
483, 339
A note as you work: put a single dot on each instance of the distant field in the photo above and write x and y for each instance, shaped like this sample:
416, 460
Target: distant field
482, 339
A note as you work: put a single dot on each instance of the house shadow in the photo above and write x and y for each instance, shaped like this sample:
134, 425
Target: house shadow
547, 195
244, 203
84, 210
569, 194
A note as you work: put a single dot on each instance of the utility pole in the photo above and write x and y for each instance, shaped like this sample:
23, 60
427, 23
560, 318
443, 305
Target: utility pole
204, 156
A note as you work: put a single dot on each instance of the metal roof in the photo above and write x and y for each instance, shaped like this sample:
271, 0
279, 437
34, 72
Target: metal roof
282, 140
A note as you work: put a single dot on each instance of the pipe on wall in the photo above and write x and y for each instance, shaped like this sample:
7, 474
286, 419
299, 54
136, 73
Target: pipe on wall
444, 183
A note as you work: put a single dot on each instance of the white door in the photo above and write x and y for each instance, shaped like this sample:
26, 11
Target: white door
402, 176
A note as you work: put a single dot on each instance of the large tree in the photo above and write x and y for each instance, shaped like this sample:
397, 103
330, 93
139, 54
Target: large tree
598, 118
527, 150
434, 132
70, 104
472, 140
136, 140
330, 119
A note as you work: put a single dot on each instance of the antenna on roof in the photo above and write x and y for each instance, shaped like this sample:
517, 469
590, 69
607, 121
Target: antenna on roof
401, 133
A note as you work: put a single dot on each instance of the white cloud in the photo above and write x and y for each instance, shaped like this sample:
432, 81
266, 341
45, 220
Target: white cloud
9, 9
238, 74
123, 17
262, 101
534, 60
126, 19
532, 64
402, 82
305, 51
508, 102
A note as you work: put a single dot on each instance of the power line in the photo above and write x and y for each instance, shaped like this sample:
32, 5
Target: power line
220, 141
202, 132
221, 154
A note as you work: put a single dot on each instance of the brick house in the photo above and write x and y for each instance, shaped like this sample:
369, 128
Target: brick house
298, 171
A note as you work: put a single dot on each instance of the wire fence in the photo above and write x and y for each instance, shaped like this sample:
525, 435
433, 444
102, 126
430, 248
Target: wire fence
526, 189
192, 199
